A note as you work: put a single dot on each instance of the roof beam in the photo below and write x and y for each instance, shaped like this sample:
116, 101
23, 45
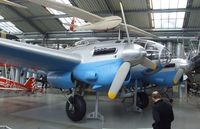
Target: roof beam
108, 4
27, 20
154, 10
187, 14
104, 13
64, 36
73, 3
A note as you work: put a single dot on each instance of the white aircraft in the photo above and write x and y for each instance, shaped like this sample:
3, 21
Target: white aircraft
12, 4
96, 22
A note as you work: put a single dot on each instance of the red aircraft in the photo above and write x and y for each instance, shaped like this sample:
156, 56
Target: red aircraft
7, 84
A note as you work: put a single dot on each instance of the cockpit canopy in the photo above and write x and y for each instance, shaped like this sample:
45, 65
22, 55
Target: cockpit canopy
155, 51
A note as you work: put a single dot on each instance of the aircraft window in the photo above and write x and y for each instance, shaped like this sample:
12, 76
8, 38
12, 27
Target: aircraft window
140, 42
102, 51
118, 41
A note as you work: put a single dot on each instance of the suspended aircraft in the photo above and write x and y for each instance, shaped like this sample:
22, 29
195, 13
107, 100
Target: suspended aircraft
12, 4
95, 22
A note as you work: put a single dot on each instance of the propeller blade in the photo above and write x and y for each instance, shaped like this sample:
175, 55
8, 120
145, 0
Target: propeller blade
148, 63
118, 80
178, 76
12, 4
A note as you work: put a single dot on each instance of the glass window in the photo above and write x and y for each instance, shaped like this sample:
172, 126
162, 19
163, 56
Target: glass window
168, 20
9, 27
66, 21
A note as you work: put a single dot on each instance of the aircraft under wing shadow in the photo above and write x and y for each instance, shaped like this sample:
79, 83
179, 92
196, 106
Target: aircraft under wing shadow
96, 22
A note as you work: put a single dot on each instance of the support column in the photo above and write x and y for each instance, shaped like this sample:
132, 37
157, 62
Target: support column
22, 77
2, 71
28, 75
17, 74
179, 50
34, 75
169, 47
12, 73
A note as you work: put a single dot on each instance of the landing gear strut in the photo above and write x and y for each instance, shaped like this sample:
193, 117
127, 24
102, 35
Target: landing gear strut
76, 108
96, 115
140, 99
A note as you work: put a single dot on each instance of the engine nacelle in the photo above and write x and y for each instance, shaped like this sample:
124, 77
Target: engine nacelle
60, 80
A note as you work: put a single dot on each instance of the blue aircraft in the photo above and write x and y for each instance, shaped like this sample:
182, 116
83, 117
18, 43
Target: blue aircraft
104, 66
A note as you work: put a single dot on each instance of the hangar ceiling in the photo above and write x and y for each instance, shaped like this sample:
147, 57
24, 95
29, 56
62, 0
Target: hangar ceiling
165, 18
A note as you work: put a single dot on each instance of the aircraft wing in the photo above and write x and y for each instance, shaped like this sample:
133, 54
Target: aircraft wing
36, 57
85, 15
12, 4
136, 30
71, 10
12, 89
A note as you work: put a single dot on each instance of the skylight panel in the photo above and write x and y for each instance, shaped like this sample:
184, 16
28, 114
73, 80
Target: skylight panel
156, 4
173, 4
182, 4
171, 19
168, 20
65, 21
172, 23
9, 27
164, 4
169, 4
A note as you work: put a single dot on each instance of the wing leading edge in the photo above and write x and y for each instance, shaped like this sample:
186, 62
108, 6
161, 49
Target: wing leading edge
36, 57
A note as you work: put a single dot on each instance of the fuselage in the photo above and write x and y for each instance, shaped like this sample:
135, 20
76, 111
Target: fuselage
101, 60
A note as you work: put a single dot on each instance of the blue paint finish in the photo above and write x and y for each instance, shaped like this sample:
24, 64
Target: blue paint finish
98, 74
60, 80
163, 77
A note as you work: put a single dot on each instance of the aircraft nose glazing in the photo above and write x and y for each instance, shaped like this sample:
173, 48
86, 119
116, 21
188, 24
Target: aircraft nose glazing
133, 53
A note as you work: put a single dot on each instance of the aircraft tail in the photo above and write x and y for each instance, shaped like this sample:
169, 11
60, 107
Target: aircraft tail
30, 83
72, 25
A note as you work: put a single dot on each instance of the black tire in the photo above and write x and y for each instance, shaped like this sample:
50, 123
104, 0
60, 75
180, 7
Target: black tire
79, 108
142, 100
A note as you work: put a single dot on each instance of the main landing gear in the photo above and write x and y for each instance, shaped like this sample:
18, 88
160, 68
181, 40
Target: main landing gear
140, 99
76, 108
75, 105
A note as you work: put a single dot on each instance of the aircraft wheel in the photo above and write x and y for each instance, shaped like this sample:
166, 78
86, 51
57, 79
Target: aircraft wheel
142, 100
77, 109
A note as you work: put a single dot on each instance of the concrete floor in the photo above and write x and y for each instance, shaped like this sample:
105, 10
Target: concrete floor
47, 111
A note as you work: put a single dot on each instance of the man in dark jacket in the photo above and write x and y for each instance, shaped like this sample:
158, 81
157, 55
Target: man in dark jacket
162, 112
